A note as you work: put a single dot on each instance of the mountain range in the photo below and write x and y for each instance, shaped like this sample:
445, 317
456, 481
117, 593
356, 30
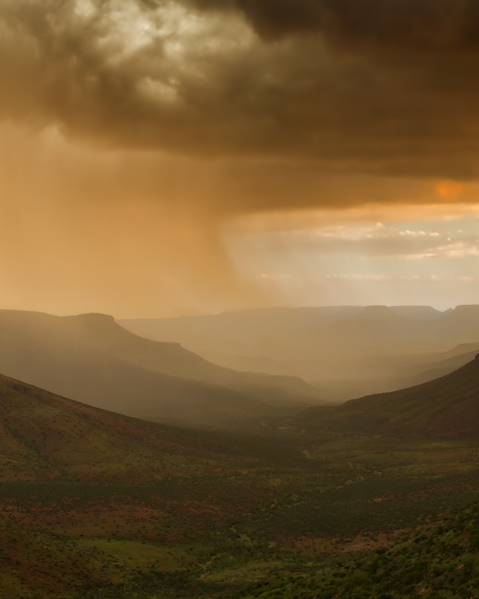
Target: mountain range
344, 351
92, 359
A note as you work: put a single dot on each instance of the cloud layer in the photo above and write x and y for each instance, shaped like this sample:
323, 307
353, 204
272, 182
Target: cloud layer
384, 86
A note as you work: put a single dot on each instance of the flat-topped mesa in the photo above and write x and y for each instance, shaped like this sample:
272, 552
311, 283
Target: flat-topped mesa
92, 316
92, 320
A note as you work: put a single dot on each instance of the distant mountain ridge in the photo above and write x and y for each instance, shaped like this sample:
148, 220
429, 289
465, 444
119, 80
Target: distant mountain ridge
344, 350
92, 359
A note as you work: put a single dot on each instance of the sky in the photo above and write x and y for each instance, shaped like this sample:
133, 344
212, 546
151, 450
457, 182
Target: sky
168, 157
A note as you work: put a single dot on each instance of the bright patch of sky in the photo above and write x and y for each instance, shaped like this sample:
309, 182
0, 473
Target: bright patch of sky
434, 262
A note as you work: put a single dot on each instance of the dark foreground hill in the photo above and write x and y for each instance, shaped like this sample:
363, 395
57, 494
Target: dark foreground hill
92, 359
46, 437
445, 407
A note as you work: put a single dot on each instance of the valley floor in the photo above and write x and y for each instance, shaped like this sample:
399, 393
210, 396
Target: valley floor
348, 518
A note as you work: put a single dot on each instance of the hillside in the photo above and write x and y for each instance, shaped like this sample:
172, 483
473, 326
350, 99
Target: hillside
445, 407
45, 437
92, 359
442, 363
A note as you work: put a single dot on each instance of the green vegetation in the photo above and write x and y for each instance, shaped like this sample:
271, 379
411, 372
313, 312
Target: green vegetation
326, 527
440, 562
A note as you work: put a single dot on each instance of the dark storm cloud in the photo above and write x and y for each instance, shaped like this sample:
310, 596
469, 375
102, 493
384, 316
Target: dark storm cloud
409, 24
371, 86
